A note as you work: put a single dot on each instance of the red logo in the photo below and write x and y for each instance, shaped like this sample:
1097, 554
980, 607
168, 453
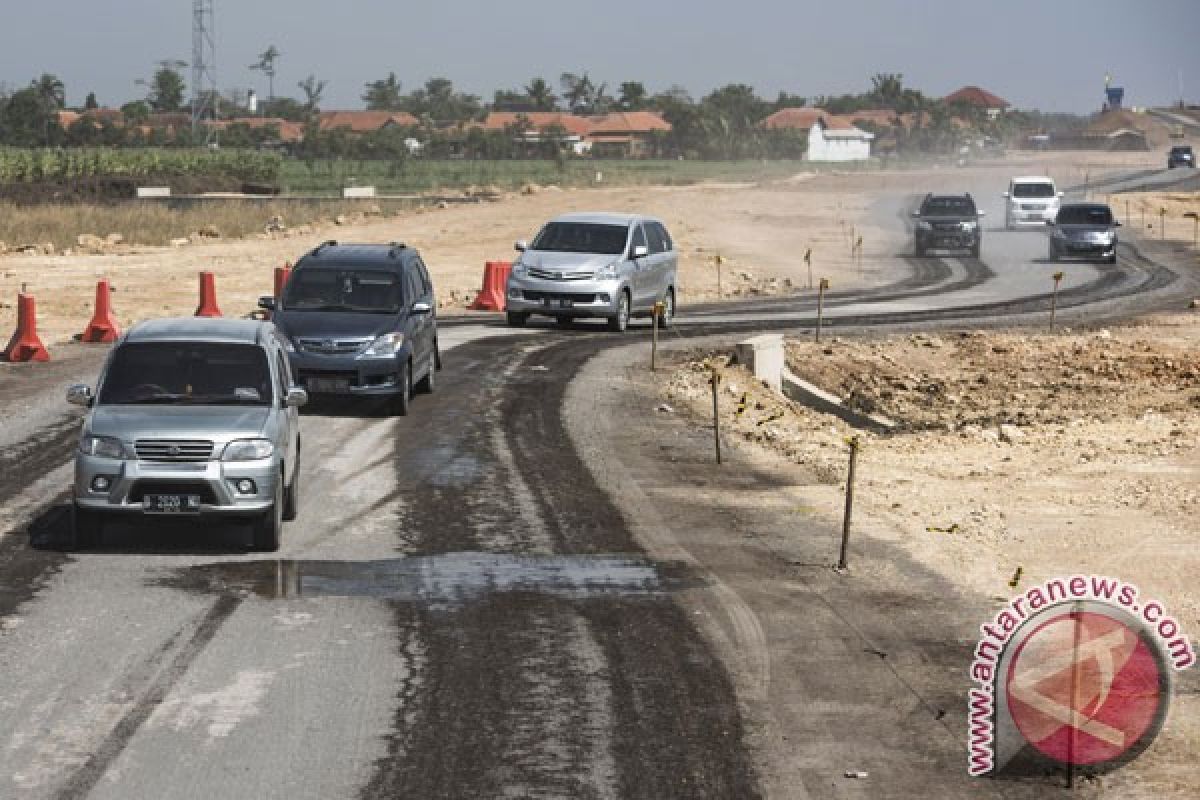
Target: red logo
1085, 688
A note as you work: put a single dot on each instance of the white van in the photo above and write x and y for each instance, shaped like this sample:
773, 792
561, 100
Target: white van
1031, 201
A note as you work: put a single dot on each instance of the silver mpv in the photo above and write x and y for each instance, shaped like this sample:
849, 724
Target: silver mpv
191, 417
606, 265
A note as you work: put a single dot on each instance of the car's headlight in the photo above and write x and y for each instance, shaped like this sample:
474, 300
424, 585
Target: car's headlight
102, 446
970, 225
607, 271
248, 450
922, 225
387, 345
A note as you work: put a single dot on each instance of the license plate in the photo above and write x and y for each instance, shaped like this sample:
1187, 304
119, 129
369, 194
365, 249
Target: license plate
331, 385
171, 503
557, 302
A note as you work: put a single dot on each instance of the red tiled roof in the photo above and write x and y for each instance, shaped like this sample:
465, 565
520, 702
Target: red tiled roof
794, 118
882, 116
365, 121
288, 131
539, 120
975, 96
622, 122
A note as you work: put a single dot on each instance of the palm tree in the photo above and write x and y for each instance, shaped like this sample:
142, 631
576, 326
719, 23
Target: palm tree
541, 96
384, 95
313, 89
51, 95
266, 64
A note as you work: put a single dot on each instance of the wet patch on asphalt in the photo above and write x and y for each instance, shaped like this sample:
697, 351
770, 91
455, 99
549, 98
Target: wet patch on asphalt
448, 579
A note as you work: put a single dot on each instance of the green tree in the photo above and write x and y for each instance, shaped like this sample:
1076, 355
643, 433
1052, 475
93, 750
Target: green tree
313, 89
167, 87
25, 121
438, 101
135, 112
266, 65
632, 96
541, 96
52, 95
384, 94
90, 103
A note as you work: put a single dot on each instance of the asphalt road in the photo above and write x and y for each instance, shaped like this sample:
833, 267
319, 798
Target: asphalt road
462, 610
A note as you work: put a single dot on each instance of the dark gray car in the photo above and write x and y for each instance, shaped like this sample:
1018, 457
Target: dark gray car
360, 320
1084, 230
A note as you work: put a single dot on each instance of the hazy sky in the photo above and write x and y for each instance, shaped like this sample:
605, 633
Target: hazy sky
1047, 54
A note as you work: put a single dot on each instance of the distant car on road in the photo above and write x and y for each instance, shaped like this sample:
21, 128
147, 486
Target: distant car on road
1030, 201
608, 265
190, 417
1084, 230
1181, 155
947, 222
360, 320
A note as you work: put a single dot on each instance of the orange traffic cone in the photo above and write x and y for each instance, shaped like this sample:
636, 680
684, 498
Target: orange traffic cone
495, 279
208, 296
25, 344
103, 327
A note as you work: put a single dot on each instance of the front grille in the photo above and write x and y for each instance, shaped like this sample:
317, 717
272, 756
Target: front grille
140, 489
574, 297
947, 226
552, 275
173, 450
333, 347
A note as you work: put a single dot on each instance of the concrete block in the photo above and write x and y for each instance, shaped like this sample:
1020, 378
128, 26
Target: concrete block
818, 399
358, 192
764, 356
154, 191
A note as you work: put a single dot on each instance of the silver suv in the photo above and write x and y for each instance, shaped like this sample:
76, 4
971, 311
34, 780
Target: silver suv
192, 417
595, 265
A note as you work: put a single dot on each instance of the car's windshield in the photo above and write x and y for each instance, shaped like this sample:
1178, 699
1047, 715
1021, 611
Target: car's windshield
948, 206
1085, 215
343, 289
1033, 190
1181, 151
187, 373
582, 237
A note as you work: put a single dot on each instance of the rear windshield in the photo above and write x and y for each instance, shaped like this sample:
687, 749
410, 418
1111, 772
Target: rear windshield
187, 373
1033, 190
1183, 149
1085, 215
949, 206
582, 237
367, 291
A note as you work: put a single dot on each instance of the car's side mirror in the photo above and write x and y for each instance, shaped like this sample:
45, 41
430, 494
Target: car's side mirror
295, 397
80, 394
1116, 223
267, 303
521, 246
641, 251
421, 308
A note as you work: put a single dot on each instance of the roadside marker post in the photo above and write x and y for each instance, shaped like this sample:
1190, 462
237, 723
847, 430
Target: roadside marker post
821, 287
1162, 223
715, 380
655, 316
719, 261
1128, 220
808, 262
853, 441
1058, 276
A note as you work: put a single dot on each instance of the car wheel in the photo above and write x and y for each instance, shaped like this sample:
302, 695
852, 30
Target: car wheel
516, 319
428, 383
268, 528
87, 528
437, 356
403, 400
291, 494
1053, 253
1111, 259
620, 321
668, 312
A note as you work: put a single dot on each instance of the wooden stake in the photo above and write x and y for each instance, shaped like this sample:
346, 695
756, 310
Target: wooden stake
716, 382
821, 287
1058, 276
853, 442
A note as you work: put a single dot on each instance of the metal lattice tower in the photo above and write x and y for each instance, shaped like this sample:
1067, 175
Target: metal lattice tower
204, 71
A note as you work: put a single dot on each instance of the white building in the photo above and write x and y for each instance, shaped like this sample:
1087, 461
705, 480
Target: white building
834, 140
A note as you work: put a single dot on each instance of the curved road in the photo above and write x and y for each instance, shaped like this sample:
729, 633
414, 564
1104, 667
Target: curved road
461, 609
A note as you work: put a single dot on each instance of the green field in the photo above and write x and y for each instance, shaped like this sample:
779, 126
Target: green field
421, 175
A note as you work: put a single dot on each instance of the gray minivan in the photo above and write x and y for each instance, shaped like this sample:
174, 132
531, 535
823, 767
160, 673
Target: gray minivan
609, 265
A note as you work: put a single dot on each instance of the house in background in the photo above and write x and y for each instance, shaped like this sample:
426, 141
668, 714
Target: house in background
365, 121
980, 98
534, 127
799, 119
835, 139
626, 134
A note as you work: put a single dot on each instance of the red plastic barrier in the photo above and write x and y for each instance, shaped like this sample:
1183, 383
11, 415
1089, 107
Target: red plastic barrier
282, 274
495, 278
25, 344
208, 296
103, 327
